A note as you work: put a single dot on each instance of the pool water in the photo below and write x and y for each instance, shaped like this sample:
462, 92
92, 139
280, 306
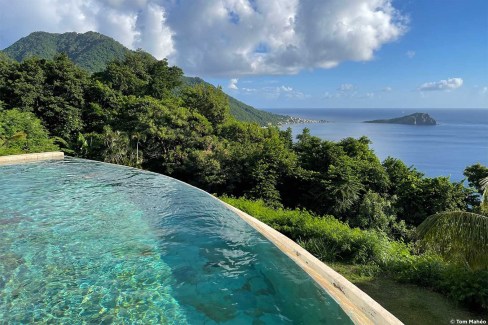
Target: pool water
83, 241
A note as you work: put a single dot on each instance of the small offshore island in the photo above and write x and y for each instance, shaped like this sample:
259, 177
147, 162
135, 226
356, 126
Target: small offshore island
412, 119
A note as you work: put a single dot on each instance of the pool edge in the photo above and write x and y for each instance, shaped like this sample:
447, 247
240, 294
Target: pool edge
29, 157
360, 307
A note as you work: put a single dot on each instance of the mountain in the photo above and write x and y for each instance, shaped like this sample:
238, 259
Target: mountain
92, 51
412, 119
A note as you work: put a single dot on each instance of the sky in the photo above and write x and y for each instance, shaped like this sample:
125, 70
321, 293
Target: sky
294, 53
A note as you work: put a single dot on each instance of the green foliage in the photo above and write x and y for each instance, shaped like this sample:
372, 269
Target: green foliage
469, 288
209, 101
22, 132
240, 111
460, 237
418, 197
377, 212
475, 173
484, 203
53, 90
90, 51
477, 176
460, 284
139, 74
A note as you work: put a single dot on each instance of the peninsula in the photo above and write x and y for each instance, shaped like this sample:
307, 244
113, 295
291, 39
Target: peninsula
413, 119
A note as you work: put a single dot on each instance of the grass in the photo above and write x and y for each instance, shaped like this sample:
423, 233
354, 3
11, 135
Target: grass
409, 303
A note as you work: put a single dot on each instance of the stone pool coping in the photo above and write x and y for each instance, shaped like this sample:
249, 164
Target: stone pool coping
360, 307
28, 157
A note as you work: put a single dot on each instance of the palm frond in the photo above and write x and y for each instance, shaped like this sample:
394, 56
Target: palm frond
458, 236
484, 183
484, 197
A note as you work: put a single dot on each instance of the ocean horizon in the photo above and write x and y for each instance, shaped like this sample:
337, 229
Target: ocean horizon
459, 139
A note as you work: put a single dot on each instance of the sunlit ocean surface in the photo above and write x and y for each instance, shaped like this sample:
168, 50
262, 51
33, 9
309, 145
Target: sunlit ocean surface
460, 139
86, 242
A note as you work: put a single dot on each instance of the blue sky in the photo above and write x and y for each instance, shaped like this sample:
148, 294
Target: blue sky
445, 39
294, 53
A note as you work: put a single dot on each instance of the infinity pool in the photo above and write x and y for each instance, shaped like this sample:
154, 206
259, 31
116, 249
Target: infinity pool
82, 241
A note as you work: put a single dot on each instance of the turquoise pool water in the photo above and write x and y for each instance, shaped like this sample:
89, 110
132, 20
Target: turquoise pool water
82, 241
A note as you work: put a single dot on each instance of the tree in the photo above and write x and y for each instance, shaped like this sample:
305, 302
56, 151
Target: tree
62, 102
23, 84
53, 90
209, 101
460, 237
129, 76
418, 197
140, 74
477, 176
163, 79
475, 173
22, 132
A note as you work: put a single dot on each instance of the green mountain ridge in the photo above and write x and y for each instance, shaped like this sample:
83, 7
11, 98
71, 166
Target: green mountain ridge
92, 51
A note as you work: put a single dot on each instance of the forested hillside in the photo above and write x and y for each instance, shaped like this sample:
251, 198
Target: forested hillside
137, 112
93, 51
241, 111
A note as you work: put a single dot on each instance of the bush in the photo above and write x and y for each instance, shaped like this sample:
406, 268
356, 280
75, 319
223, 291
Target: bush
22, 132
470, 288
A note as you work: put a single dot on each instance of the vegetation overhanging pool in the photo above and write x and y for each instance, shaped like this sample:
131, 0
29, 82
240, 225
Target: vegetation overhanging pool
87, 241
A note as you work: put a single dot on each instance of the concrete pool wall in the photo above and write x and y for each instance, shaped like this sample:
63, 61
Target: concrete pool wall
361, 308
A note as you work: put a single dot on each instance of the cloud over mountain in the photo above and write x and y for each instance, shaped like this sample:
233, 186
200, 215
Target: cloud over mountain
222, 37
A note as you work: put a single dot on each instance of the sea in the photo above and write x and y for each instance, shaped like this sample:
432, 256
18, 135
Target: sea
459, 139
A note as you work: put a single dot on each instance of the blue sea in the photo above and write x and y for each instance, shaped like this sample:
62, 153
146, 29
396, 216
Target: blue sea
460, 139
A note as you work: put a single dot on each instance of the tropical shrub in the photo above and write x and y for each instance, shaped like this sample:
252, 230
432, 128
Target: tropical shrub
22, 132
460, 237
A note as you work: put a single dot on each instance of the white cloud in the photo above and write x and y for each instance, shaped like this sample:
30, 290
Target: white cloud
222, 37
484, 90
154, 36
249, 90
449, 84
349, 91
233, 84
410, 54
273, 93
346, 87
387, 89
